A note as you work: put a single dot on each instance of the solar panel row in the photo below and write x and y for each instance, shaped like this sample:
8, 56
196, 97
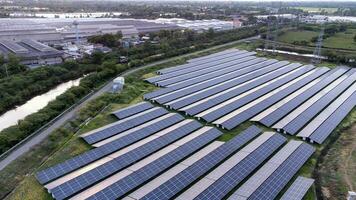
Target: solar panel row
273, 176
97, 153
205, 68
176, 184
225, 95
122, 125
248, 111
132, 110
323, 124
92, 176
235, 174
207, 83
222, 69
235, 104
301, 120
130, 182
298, 189
309, 102
188, 65
213, 55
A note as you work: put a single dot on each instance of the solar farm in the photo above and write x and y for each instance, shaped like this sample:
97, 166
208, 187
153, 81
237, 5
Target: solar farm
168, 146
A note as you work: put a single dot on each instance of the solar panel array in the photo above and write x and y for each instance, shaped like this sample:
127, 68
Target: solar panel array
151, 153
298, 189
132, 110
237, 87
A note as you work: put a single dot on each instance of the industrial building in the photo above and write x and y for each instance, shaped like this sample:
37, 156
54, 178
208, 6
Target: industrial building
31, 52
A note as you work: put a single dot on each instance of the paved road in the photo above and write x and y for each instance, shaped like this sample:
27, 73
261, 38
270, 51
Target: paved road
69, 115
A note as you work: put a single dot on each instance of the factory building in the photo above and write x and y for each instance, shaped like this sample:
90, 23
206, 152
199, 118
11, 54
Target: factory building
31, 52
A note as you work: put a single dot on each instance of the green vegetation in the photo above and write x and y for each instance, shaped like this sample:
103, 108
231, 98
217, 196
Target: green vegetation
317, 10
298, 37
172, 43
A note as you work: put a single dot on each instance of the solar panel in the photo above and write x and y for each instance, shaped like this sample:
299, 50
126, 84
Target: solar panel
222, 83
295, 125
97, 153
122, 125
272, 177
225, 52
283, 110
225, 95
279, 179
188, 65
130, 182
298, 189
217, 113
186, 177
88, 178
206, 71
132, 110
230, 179
322, 125
310, 101
212, 82
248, 111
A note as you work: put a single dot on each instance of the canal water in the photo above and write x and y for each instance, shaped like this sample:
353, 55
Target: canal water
33, 105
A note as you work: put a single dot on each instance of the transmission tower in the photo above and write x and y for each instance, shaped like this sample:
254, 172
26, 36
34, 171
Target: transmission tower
316, 59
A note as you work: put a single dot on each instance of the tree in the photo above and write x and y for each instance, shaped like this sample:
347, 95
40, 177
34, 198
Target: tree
355, 38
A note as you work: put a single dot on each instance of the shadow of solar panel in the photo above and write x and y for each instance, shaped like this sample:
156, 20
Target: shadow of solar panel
79, 183
326, 128
132, 110
123, 125
300, 121
147, 172
176, 184
279, 179
225, 184
259, 107
250, 97
276, 115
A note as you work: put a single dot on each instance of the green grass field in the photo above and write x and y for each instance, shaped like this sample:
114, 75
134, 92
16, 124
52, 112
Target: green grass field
342, 40
317, 10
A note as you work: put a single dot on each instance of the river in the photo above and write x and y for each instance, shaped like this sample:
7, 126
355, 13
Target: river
33, 105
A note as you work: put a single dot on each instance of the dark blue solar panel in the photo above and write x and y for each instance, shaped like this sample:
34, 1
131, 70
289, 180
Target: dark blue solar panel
156, 167
221, 98
213, 82
215, 55
300, 121
259, 107
279, 178
326, 128
224, 67
129, 111
79, 183
176, 184
124, 125
248, 98
276, 115
189, 65
239, 80
94, 154
225, 184
194, 69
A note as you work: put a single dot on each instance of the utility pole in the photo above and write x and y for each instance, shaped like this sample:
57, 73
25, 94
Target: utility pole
316, 59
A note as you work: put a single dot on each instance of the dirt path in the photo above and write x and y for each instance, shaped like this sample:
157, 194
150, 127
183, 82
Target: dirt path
346, 167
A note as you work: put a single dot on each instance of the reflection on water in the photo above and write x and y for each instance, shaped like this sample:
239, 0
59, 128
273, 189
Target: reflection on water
33, 105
